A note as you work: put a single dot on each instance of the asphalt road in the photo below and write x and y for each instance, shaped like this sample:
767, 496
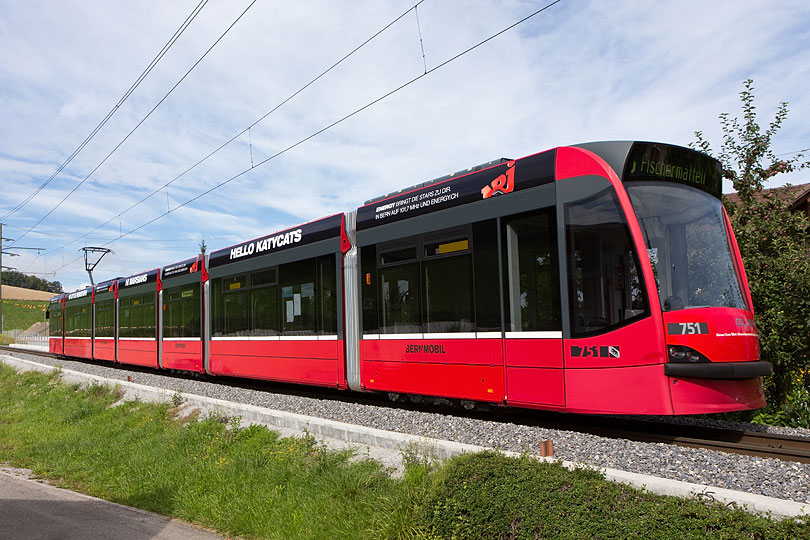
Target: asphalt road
30, 510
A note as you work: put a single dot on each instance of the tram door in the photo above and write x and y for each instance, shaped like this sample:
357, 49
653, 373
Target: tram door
608, 324
533, 346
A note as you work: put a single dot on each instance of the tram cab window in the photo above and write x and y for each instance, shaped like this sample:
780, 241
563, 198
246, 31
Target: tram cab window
605, 286
533, 285
688, 246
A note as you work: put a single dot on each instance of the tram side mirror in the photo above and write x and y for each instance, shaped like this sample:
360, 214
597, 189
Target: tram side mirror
47, 314
673, 303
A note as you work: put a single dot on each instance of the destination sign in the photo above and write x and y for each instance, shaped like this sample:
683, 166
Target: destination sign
315, 231
656, 162
499, 180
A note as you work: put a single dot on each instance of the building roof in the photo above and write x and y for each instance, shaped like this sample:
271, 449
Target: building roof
797, 196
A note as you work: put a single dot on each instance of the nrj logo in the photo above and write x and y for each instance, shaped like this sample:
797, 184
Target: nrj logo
505, 183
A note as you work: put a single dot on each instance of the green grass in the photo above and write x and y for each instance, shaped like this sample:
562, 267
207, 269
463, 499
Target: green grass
21, 314
252, 483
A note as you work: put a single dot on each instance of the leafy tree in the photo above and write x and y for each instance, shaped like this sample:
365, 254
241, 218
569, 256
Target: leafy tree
203, 247
18, 279
774, 243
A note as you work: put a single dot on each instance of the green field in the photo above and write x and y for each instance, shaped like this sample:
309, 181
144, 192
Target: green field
21, 314
247, 481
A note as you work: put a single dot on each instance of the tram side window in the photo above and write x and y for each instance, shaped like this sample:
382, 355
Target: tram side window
137, 323
264, 303
605, 287
105, 319
181, 311
137, 316
448, 296
294, 299
425, 285
369, 290
148, 316
297, 282
236, 306
124, 318
533, 285
78, 321
55, 320
327, 295
400, 292
485, 270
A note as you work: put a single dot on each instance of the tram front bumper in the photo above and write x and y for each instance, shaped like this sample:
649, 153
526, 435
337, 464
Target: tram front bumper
718, 370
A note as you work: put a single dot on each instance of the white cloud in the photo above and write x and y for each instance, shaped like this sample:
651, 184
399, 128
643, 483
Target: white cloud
580, 71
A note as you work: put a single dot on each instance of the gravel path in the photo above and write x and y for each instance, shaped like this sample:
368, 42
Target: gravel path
770, 477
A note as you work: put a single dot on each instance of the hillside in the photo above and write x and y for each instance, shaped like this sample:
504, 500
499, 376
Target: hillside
21, 314
18, 293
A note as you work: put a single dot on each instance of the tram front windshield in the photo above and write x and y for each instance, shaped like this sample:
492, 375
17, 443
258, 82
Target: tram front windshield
688, 246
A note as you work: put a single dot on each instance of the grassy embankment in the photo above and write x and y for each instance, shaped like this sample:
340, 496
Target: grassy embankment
250, 482
21, 314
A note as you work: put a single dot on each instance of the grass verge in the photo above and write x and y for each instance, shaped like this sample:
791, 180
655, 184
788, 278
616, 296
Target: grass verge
247, 481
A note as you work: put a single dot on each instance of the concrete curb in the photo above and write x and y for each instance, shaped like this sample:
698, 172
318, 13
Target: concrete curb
396, 442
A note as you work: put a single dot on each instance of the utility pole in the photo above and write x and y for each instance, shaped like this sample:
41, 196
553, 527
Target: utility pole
1, 278
7, 268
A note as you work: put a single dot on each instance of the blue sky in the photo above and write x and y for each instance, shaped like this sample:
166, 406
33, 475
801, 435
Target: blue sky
578, 72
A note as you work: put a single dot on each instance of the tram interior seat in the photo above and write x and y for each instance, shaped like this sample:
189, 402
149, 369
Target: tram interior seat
449, 326
401, 328
590, 324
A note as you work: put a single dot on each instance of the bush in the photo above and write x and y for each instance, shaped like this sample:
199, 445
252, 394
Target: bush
490, 496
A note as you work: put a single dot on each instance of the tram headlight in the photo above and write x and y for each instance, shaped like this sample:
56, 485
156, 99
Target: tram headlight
679, 353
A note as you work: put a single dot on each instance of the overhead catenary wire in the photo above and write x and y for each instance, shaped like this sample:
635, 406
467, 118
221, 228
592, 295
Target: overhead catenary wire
331, 125
252, 125
793, 152
421, 41
159, 103
196, 11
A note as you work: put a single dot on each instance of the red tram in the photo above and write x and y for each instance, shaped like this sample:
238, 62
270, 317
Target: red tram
597, 278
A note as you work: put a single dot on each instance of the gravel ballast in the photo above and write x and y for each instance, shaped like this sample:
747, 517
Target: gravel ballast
770, 477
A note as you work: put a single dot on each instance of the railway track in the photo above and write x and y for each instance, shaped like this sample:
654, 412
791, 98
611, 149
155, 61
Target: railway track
746, 442
752, 443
